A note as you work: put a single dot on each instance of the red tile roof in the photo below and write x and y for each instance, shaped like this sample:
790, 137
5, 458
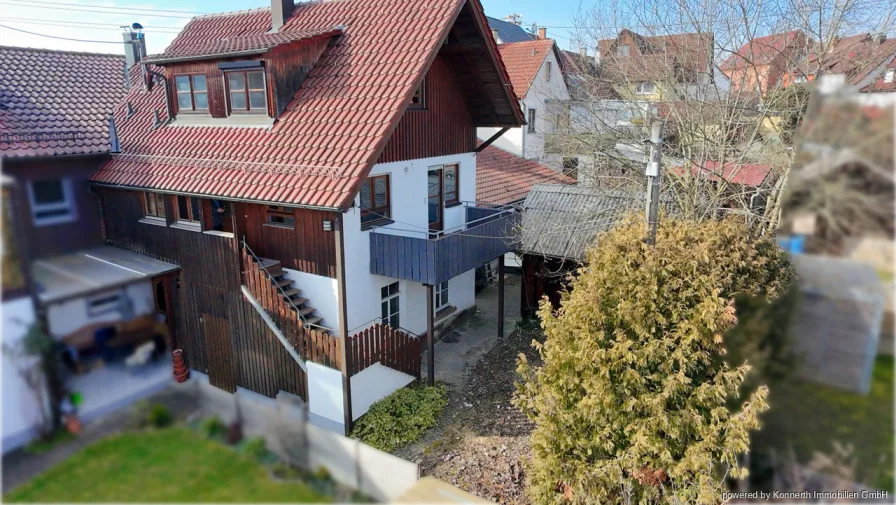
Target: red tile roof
502, 177
854, 56
522, 60
57, 102
747, 174
658, 56
763, 50
330, 134
237, 46
880, 84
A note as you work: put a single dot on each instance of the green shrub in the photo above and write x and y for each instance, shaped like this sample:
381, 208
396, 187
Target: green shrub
322, 473
213, 427
159, 416
402, 417
256, 448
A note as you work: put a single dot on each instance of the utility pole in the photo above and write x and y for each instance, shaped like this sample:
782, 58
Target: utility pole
654, 175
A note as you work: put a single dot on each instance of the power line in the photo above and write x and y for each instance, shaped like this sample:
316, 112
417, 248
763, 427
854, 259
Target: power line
128, 9
62, 38
79, 24
106, 11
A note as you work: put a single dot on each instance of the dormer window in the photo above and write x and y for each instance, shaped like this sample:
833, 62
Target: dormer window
192, 92
246, 91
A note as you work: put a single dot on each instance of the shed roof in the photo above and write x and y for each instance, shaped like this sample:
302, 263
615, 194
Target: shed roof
338, 122
503, 177
563, 221
56, 103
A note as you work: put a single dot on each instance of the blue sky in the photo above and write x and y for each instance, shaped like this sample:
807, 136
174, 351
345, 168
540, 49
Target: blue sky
98, 20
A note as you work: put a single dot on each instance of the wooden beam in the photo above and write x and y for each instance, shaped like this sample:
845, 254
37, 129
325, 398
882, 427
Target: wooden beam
343, 323
491, 139
501, 297
430, 337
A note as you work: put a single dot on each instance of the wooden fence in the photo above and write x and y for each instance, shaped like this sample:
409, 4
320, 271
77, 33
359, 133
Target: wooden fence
313, 345
383, 344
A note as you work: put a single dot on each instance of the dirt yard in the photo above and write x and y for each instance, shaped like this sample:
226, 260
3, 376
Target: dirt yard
482, 440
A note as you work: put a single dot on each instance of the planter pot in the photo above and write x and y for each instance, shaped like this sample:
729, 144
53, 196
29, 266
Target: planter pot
72, 424
181, 372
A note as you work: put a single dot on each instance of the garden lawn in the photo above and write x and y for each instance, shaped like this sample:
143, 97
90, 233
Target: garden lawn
168, 465
810, 417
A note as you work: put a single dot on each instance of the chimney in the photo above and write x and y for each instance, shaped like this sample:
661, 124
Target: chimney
583, 52
280, 12
134, 47
495, 36
542, 33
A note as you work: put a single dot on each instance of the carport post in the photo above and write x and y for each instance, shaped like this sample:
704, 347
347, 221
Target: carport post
430, 338
501, 297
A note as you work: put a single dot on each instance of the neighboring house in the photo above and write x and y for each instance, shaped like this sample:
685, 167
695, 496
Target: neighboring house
506, 32
537, 77
339, 140
745, 184
503, 177
861, 59
886, 82
661, 68
764, 63
55, 131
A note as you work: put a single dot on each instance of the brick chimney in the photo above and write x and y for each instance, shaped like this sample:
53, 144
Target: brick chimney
542, 33
280, 12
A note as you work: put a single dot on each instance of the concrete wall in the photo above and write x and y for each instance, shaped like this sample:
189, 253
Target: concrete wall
321, 293
21, 410
66, 317
408, 192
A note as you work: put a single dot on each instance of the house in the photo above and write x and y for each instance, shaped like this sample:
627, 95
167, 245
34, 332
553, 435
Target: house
537, 76
886, 82
506, 32
660, 68
55, 131
311, 169
741, 184
763, 63
861, 59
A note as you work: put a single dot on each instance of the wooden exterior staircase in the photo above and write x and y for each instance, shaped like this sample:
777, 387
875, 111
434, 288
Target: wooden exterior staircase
292, 294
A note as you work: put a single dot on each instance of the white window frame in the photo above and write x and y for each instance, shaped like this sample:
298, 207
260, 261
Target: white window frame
640, 89
68, 204
890, 75
388, 301
440, 295
547, 73
800, 79
111, 302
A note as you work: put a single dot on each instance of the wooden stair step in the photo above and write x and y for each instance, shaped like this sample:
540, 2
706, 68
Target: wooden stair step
284, 282
291, 292
313, 320
268, 263
299, 301
306, 311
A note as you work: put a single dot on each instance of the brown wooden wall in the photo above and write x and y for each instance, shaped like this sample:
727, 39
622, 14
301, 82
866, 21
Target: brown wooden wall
207, 293
307, 248
444, 127
53, 240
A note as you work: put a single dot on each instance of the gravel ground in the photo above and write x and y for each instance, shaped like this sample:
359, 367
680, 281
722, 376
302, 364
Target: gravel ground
482, 440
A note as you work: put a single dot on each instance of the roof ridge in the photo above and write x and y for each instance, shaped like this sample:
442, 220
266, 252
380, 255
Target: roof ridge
61, 51
232, 13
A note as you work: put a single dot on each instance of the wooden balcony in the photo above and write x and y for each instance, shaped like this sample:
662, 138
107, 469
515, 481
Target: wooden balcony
428, 258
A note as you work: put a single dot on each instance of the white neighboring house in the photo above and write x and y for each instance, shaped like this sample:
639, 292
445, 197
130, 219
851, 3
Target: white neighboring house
536, 73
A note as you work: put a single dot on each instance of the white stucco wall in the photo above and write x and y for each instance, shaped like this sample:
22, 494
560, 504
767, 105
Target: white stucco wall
408, 180
72, 315
519, 140
321, 292
21, 412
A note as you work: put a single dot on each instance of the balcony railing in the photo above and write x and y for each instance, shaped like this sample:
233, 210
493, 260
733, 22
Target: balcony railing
430, 258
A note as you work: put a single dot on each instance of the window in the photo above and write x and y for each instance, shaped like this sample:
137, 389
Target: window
154, 205
375, 199
646, 88
450, 173
247, 91
188, 209
531, 120
441, 295
799, 79
389, 305
418, 101
622, 50
890, 75
103, 304
52, 201
192, 92
547, 71
278, 215
571, 167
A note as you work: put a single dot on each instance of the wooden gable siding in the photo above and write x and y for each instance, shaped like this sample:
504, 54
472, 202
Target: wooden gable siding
444, 127
208, 285
307, 248
289, 66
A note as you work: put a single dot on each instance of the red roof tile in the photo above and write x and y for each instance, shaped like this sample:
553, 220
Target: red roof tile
747, 174
57, 102
502, 177
330, 134
763, 50
854, 56
657, 56
522, 60
880, 84
237, 46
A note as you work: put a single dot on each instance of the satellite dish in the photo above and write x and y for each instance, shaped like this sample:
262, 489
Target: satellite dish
137, 26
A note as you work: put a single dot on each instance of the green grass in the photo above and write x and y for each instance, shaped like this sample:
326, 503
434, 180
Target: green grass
810, 417
170, 465
42, 445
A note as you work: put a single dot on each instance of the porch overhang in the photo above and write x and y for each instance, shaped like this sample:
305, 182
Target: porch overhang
86, 272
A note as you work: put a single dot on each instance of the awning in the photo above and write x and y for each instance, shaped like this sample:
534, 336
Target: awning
92, 270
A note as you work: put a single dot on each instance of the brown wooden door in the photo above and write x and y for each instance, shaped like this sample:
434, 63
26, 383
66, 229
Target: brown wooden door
219, 351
